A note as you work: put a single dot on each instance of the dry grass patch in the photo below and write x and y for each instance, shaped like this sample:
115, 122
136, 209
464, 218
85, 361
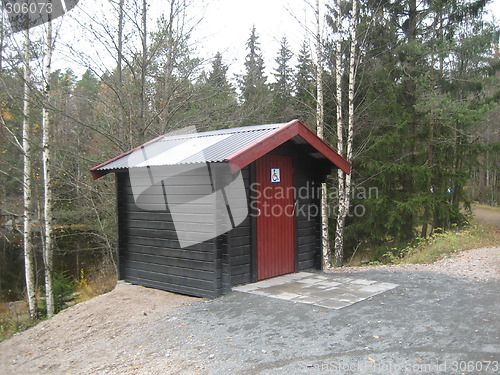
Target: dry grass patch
440, 245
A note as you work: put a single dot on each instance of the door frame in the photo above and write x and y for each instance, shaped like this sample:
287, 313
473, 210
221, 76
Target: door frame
254, 250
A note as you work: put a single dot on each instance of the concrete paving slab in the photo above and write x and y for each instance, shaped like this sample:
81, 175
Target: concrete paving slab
312, 299
309, 280
299, 275
286, 296
333, 303
362, 294
334, 292
329, 284
362, 282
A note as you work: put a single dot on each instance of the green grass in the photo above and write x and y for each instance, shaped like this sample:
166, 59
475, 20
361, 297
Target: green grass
13, 319
441, 245
8, 328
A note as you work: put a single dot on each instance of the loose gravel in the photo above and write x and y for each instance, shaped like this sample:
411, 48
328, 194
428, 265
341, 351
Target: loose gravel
441, 319
481, 264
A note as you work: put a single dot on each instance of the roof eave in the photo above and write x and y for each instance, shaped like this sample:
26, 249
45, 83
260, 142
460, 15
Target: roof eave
96, 173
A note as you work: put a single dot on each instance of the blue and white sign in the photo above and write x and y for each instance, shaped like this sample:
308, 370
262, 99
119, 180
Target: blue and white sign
275, 175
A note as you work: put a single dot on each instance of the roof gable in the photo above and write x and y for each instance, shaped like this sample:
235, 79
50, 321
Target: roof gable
269, 142
237, 146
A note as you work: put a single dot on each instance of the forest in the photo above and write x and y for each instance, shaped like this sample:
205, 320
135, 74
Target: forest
407, 91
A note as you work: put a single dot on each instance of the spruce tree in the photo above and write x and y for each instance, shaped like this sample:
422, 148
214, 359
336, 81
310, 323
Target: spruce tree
255, 93
220, 105
304, 84
283, 86
217, 76
422, 95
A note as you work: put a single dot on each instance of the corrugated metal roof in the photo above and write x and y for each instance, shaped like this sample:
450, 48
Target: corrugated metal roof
211, 146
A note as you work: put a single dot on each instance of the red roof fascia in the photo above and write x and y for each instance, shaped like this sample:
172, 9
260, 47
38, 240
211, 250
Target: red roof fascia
252, 152
258, 149
323, 148
97, 174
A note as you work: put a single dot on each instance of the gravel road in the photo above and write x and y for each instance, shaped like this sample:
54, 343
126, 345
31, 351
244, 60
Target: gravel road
486, 215
441, 319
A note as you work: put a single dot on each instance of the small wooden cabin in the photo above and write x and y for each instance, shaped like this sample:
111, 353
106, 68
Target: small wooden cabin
239, 205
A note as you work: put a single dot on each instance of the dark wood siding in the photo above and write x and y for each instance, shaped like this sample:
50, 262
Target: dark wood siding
149, 250
240, 243
308, 214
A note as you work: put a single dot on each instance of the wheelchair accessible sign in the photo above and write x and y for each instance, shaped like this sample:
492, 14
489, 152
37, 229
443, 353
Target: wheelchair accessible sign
275, 175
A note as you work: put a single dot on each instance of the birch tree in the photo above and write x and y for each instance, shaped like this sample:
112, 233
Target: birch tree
2, 36
29, 261
344, 181
48, 248
121, 5
340, 133
320, 129
144, 66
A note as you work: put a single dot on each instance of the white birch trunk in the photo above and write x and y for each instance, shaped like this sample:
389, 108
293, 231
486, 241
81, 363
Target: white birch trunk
48, 248
120, 128
29, 262
345, 189
325, 239
144, 64
340, 136
2, 38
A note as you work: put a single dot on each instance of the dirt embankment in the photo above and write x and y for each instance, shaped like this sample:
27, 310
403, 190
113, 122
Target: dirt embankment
100, 336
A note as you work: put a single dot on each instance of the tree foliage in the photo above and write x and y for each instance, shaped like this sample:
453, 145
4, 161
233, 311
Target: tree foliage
426, 110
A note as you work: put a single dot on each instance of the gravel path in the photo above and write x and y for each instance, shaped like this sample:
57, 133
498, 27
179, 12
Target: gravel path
445, 314
478, 264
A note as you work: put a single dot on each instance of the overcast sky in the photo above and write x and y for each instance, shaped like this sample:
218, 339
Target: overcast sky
228, 24
225, 27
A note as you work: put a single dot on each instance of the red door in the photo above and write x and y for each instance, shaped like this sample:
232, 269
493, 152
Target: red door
275, 220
